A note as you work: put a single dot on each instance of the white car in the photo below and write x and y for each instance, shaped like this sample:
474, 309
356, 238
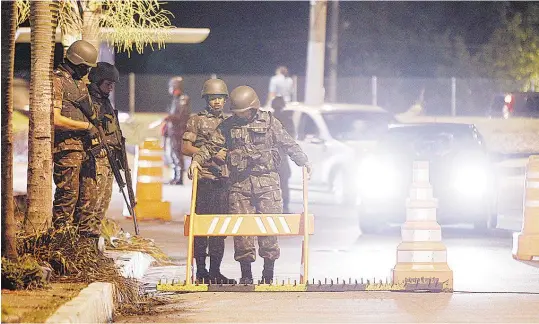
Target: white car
334, 136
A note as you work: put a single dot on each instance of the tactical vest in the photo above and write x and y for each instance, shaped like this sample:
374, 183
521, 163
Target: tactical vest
251, 147
108, 117
72, 90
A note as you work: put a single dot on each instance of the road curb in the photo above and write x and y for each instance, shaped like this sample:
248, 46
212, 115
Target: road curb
95, 303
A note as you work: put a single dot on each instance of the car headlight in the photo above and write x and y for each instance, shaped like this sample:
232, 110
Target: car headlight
376, 179
470, 180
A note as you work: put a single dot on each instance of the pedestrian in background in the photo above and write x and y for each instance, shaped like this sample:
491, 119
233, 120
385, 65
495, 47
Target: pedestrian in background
281, 85
176, 123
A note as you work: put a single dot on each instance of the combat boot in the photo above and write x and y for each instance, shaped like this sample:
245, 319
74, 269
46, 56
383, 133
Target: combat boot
267, 272
202, 275
180, 179
246, 273
215, 273
176, 178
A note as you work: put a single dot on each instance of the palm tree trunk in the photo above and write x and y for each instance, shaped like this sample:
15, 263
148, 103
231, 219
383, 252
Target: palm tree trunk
9, 25
43, 21
90, 24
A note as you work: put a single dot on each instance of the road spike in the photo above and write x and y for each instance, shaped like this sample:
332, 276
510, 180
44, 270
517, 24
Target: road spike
356, 282
319, 282
313, 281
172, 282
159, 282
350, 280
325, 281
184, 282
283, 283
288, 281
295, 283
332, 282
337, 280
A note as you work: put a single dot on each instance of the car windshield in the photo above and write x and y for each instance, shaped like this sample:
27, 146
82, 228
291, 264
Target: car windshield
435, 138
357, 125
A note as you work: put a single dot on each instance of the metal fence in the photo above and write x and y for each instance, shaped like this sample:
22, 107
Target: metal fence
442, 96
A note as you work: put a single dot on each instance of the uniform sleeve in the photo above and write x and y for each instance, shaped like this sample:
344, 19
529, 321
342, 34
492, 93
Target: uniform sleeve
215, 143
287, 143
57, 92
191, 129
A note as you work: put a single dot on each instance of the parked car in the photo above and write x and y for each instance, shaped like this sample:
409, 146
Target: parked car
334, 136
515, 104
461, 171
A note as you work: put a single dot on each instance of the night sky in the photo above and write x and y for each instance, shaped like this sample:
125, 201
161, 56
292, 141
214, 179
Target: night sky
252, 38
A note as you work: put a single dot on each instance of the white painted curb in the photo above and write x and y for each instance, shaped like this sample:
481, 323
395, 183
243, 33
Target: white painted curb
95, 303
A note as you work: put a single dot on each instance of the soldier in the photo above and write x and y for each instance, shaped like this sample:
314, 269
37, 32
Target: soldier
74, 135
278, 104
176, 122
212, 194
252, 138
103, 78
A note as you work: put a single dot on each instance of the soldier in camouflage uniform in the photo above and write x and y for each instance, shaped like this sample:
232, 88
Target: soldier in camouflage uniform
103, 78
252, 139
212, 193
176, 122
74, 169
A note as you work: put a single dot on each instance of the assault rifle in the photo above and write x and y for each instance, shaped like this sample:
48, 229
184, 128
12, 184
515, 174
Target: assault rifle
117, 158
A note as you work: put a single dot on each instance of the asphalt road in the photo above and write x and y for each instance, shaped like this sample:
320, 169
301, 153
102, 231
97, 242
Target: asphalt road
490, 285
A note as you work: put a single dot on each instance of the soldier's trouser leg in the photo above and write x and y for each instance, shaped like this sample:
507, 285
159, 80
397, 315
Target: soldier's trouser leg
178, 160
211, 199
104, 180
244, 246
85, 215
269, 202
66, 175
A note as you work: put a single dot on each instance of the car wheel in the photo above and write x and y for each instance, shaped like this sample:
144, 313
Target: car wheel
341, 194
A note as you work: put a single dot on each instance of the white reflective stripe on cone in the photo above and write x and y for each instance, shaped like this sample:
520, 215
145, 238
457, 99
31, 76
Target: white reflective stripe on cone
532, 184
150, 179
414, 235
421, 214
146, 152
150, 164
420, 176
532, 203
421, 256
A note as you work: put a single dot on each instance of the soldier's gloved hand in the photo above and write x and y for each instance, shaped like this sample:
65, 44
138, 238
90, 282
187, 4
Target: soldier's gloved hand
221, 156
309, 168
194, 165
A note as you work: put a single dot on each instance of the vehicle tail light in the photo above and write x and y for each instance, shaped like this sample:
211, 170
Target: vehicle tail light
509, 102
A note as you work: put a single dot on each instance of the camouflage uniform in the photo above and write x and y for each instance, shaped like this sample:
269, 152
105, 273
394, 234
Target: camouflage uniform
253, 160
211, 194
74, 169
104, 177
180, 111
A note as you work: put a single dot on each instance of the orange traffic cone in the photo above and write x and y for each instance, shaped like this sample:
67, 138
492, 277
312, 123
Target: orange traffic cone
526, 243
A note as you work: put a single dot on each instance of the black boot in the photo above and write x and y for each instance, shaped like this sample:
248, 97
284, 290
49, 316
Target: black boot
180, 178
267, 272
202, 274
174, 180
215, 272
246, 273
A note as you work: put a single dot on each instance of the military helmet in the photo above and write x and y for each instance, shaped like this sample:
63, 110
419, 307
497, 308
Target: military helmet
243, 98
214, 87
104, 71
82, 52
176, 82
